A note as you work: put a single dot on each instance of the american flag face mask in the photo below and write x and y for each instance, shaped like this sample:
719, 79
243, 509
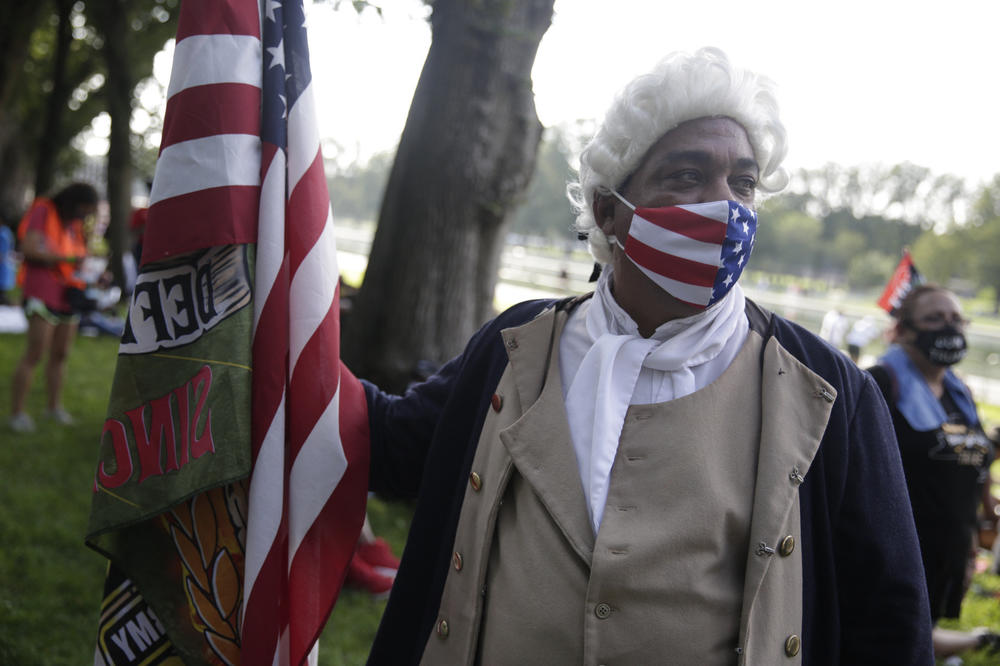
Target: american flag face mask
694, 252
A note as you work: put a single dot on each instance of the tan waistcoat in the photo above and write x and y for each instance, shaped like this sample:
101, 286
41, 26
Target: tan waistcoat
694, 561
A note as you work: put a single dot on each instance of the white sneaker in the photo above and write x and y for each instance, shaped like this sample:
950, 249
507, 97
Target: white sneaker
21, 422
60, 416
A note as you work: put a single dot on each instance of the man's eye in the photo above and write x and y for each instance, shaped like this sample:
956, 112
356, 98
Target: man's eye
686, 176
746, 185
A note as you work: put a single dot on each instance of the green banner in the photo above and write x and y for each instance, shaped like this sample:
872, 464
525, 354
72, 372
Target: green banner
168, 504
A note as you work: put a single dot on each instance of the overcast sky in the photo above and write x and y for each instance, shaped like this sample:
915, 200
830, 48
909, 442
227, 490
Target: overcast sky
860, 81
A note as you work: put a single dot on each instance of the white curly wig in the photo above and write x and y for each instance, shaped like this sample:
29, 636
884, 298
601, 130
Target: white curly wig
681, 87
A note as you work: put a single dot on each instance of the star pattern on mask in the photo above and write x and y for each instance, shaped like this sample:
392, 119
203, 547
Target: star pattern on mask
736, 248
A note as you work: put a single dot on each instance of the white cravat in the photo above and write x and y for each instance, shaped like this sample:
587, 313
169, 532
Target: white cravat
606, 365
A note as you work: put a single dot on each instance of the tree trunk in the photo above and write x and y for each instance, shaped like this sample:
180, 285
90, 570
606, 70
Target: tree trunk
18, 21
49, 144
119, 86
466, 154
18, 174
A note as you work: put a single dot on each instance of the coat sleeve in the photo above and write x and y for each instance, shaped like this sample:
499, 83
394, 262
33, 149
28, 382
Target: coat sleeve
443, 408
401, 428
884, 612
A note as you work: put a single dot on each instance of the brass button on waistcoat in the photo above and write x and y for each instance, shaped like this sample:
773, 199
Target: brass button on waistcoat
792, 645
602, 611
475, 482
456, 560
787, 546
442, 628
497, 402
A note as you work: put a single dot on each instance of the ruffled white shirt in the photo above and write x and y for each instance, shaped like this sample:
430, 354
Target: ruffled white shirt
605, 366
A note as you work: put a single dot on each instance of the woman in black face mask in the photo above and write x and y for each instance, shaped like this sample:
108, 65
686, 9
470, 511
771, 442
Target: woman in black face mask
946, 455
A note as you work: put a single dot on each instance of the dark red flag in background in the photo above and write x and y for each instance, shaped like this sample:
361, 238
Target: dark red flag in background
904, 278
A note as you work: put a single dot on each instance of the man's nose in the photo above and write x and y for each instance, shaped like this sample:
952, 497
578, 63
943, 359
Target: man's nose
718, 189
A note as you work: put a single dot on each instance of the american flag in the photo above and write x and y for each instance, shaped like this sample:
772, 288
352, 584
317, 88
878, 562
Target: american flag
241, 155
694, 252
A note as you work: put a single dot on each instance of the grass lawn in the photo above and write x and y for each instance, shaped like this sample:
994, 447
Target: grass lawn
981, 608
50, 583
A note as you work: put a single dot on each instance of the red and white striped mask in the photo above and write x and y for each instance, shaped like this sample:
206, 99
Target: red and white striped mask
694, 252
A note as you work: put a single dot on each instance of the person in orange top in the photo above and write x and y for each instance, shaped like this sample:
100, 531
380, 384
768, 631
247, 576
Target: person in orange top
52, 243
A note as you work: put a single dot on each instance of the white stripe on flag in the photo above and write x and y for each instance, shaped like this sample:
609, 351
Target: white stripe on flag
266, 484
311, 292
315, 474
715, 210
303, 141
270, 232
213, 161
686, 292
676, 244
206, 59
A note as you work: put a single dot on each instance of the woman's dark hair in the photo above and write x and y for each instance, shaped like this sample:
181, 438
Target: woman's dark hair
904, 314
73, 195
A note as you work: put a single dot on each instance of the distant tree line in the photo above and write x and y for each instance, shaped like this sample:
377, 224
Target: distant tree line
849, 225
845, 225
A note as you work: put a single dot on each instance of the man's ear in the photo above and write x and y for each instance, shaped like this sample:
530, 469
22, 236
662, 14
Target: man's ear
604, 212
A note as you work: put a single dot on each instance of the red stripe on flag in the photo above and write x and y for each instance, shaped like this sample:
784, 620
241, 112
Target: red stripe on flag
320, 564
201, 219
270, 360
266, 607
314, 382
222, 17
201, 111
329, 544
670, 266
308, 209
267, 152
354, 431
686, 223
